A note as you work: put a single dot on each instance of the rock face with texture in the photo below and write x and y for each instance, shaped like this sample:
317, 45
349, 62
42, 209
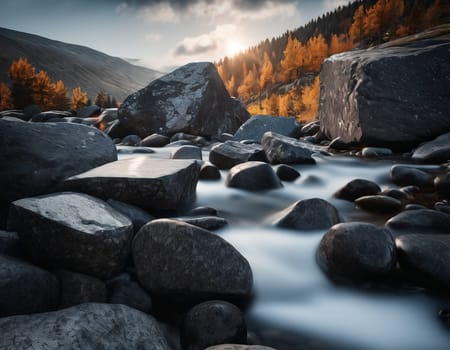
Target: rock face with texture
371, 97
258, 125
175, 259
25, 288
86, 326
211, 323
191, 99
35, 157
308, 214
73, 231
283, 149
148, 183
253, 176
427, 257
357, 250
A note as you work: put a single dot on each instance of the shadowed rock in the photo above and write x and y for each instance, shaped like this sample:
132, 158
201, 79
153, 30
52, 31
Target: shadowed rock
258, 125
437, 150
253, 176
73, 231
357, 188
420, 221
283, 149
182, 261
86, 326
230, 153
25, 289
35, 157
191, 99
148, 183
379, 203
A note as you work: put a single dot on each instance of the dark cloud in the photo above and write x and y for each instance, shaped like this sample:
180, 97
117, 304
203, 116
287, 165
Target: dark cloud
184, 49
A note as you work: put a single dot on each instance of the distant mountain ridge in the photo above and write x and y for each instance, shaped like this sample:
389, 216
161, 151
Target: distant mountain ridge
75, 65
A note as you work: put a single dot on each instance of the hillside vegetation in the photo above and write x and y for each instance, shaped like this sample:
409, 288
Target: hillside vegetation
280, 76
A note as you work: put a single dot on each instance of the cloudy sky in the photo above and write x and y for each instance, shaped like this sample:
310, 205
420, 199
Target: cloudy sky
162, 33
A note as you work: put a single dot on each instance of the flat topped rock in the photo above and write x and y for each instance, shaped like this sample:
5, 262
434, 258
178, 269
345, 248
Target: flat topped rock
256, 126
77, 211
149, 183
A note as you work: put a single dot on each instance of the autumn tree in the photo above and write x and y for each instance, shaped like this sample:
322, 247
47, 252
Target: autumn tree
231, 86
310, 100
22, 73
5, 97
292, 59
43, 91
60, 99
431, 15
249, 84
317, 51
357, 28
266, 74
79, 99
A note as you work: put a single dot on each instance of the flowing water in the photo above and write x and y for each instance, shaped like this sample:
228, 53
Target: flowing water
296, 306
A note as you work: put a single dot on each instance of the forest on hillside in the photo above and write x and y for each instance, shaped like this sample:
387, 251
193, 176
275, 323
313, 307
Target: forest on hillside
280, 76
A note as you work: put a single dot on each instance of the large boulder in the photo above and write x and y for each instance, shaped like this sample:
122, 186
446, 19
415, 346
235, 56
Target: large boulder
25, 289
164, 184
437, 150
392, 95
35, 157
253, 176
191, 99
181, 261
420, 221
258, 125
73, 231
86, 326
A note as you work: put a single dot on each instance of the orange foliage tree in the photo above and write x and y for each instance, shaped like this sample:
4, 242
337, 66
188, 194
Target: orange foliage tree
266, 75
22, 73
317, 51
356, 30
5, 97
292, 59
79, 99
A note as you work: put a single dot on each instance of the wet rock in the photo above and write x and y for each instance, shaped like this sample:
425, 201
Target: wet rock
253, 176
139, 217
310, 129
287, 173
282, 149
122, 290
163, 184
194, 139
404, 175
212, 323
443, 206
85, 326
420, 221
131, 140
442, 184
340, 145
397, 194
180, 143
357, 188
9, 244
77, 288
50, 152
365, 90
187, 152
425, 257
357, 250
437, 150
116, 130
107, 116
203, 211
375, 152
155, 140
202, 265
308, 214
89, 111
258, 125
414, 206
25, 289
73, 231
209, 171
230, 153
191, 99
379, 203
210, 223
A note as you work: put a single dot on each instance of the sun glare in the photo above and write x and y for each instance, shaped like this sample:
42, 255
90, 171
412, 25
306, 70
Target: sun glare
234, 47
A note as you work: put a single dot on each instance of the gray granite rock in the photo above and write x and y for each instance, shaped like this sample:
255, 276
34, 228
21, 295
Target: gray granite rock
164, 184
35, 157
282, 149
420, 221
308, 214
182, 261
191, 99
258, 125
437, 150
253, 176
86, 326
73, 231
230, 153
372, 98
357, 188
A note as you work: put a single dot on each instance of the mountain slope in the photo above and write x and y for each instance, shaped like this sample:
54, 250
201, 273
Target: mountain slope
75, 65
